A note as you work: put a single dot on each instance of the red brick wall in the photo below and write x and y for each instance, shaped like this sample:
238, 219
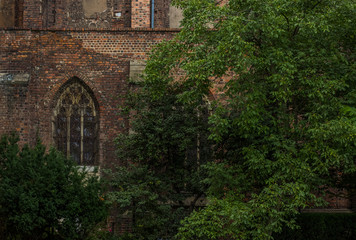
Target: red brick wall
69, 14
161, 18
99, 58
131, 45
32, 15
124, 7
140, 13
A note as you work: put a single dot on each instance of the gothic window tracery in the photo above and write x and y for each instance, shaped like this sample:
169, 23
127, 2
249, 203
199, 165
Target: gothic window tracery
75, 124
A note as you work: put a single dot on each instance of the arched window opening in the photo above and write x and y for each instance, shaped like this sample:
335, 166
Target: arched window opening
76, 124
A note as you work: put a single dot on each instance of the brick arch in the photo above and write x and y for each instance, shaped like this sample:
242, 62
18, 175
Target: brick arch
67, 79
72, 80
76, 122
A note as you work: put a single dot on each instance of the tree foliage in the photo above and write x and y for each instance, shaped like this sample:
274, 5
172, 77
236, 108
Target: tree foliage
285, 128
283, 131
159, 182
45, 195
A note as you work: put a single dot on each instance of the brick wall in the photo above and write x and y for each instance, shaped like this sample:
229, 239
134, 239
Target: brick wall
84, 14
130, 45
123, 7
50, 58
140, 13
32, 14
161, 17
79, 14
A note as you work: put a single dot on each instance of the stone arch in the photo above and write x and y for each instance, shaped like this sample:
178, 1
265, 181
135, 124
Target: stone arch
76, 122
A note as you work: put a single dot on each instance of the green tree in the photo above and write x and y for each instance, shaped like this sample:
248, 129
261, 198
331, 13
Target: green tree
45, 195
282, 131
160, 180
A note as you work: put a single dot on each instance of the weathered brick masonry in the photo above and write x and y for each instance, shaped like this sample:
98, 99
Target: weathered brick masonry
93, 14
46, 43
101, 59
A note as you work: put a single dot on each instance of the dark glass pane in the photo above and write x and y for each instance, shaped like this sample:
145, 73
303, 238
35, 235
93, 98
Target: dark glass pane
89, 119
87, 132
89, 137
61, 132
88, 111
75, 110
88, 151
67, 100
75, 137
77, 90
83, 100
89, 126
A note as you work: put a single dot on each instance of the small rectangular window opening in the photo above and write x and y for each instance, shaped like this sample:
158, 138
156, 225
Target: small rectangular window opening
117, 14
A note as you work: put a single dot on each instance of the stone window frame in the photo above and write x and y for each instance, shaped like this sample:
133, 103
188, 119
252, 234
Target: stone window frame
67, 108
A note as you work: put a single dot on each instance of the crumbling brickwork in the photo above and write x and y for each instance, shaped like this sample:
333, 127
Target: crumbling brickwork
84, 14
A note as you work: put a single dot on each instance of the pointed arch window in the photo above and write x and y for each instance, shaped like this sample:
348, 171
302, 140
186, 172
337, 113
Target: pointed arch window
76, 124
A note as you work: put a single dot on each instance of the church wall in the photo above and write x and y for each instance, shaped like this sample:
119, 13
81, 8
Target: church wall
161, 14
35, 64
93, 14
32, 14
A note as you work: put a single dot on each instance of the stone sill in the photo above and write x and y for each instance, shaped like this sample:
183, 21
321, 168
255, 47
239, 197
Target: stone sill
14, 78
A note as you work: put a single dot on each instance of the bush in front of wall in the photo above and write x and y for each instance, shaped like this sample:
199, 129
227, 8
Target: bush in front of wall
44, 195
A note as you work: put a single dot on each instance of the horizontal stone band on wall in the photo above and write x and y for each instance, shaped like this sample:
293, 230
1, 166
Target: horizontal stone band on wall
14, 78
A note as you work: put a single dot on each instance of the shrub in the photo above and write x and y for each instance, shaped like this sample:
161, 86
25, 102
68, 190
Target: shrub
45, 195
